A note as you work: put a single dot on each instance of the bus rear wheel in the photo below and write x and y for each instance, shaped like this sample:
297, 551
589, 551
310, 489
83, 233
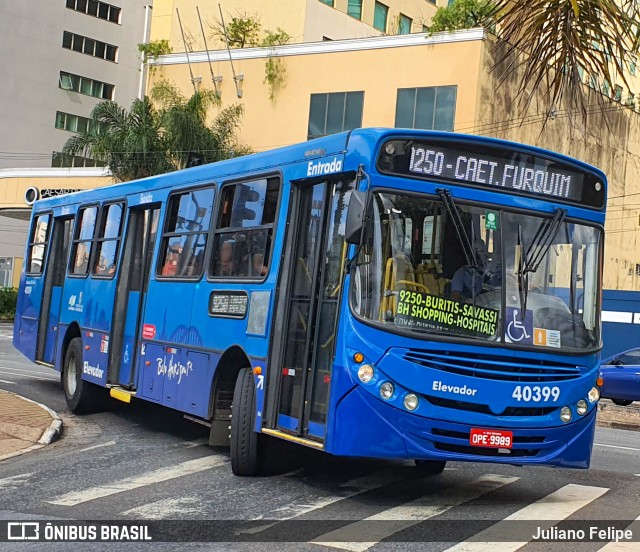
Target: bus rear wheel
247, 449
430, 467
81, 395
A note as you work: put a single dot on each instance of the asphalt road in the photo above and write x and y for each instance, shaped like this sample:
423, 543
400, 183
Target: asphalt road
141, 462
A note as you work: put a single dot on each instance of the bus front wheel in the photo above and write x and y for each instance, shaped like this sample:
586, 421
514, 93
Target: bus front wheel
246, 445
81, 395
430, 467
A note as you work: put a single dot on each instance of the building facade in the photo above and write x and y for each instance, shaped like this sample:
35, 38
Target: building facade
60, 58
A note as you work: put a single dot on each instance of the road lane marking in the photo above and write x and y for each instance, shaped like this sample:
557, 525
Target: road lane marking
546, 513
14, 480
110, 443
143, 480
168, 508
195, 443
38, 371
409, 514
353, 487
627, 546
16, 372
616, 447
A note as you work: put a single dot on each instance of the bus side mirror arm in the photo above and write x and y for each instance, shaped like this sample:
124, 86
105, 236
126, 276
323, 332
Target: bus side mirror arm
355, 217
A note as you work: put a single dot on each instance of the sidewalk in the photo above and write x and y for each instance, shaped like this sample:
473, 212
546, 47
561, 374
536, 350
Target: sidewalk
25, 425
618, 417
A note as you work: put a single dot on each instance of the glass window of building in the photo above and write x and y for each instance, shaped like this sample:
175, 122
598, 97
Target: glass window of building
336, 112
380, 17
354, 8
429, 108
404, 24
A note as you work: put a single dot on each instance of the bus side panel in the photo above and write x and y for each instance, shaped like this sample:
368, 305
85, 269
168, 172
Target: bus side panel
194, 397
29, 317
94, 357
151, 375
52, 328
164, 370
129, 340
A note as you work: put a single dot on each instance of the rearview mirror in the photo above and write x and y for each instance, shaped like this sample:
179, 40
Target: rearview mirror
355, 217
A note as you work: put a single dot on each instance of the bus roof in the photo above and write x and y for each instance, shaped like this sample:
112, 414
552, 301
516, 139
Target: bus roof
366, 138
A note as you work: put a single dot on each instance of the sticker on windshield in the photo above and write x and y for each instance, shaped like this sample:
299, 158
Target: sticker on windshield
546, 338
429, 312
491, 220
517, 329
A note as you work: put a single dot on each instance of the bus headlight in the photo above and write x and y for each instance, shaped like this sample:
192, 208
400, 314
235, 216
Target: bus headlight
365, 373
411, 401
386, 390
582, 407
593, 395
565, 414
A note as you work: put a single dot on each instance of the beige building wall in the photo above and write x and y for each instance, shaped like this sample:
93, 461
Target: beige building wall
303, 20
378, 66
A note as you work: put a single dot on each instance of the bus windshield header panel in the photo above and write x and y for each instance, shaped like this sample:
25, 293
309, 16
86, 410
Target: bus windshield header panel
495, 167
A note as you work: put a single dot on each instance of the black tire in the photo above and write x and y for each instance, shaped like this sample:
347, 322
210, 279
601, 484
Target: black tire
430, 467
621, 402
247, 450
81, 396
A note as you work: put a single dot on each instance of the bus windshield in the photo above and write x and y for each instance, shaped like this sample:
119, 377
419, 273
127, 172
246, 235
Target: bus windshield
430, 266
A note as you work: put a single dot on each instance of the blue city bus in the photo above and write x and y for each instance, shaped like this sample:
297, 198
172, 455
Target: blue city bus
382, 293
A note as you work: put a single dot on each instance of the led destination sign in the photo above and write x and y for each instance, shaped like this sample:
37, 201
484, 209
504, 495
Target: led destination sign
491, 167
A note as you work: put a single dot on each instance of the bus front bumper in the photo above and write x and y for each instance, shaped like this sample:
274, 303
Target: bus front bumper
366, 426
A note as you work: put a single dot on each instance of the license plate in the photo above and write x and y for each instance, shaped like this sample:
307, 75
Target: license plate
492, 438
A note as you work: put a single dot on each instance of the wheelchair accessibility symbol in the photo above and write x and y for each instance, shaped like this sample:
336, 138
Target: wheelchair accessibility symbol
519, 330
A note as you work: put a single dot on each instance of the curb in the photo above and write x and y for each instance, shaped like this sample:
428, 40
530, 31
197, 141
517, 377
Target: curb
55, 427
618, 417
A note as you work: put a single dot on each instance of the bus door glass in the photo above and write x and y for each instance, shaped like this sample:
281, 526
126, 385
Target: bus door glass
310, 325
135, 267
52, 293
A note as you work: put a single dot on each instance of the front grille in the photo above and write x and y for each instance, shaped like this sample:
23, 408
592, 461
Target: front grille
481, 451
492, 367
484, 408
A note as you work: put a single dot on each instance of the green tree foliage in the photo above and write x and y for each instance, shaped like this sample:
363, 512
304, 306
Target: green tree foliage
8, 299
153, 49
463, 14
158, 134
242, 31
274, 68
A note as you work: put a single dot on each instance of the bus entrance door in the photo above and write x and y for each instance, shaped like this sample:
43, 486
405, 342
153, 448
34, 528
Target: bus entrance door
52, 292
311, 310
133, 282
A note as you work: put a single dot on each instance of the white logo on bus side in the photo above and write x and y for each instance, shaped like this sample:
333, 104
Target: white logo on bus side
146, 198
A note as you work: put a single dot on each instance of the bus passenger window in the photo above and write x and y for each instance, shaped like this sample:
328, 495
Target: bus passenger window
38, 244
108, 240
83, 242
185, 235
244, 232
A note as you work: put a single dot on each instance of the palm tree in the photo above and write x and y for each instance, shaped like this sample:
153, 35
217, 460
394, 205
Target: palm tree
552, 44
152, 139
564, 40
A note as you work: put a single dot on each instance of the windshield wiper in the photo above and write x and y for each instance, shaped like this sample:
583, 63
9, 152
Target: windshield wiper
463, 237
531, 257
546, 233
